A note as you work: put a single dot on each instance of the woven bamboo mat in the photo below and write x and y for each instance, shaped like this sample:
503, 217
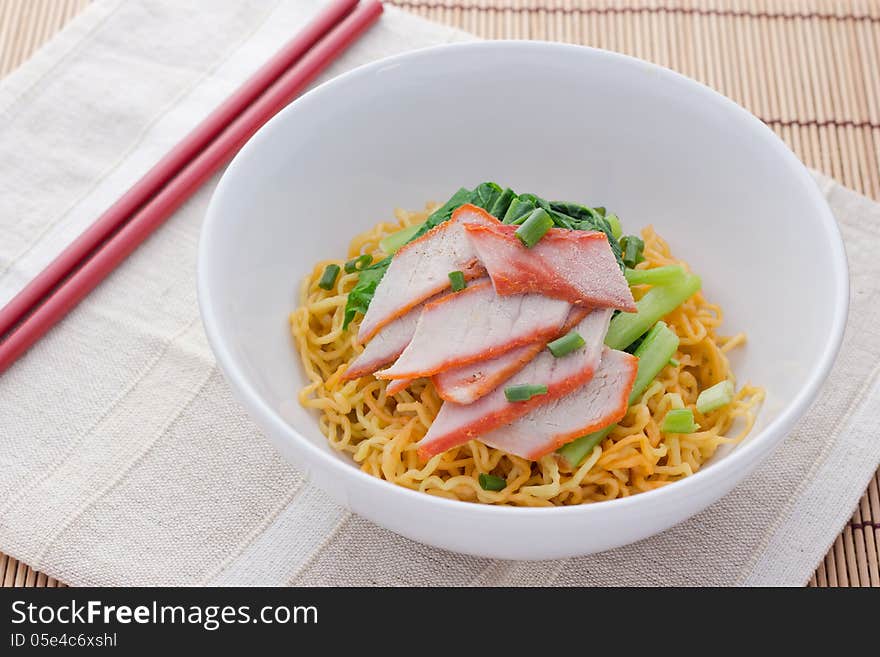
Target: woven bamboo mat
809, 68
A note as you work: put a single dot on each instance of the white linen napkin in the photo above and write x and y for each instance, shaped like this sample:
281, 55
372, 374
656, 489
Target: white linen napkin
125, 461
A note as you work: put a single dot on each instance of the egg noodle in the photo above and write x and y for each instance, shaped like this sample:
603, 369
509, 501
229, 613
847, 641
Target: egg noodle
380, 432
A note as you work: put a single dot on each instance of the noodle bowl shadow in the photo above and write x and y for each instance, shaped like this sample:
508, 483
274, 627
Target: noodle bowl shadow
564, 122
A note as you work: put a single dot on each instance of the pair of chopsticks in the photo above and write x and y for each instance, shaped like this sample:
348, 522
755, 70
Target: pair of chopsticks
143, 208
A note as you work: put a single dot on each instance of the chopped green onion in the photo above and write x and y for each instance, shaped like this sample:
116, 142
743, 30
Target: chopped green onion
534, 227
328, 278
616, 229
491, 482
632, 248
566, 344
394, 241
657, 347
679, 420
711, 399
659, 301
656, 276
674, 362
524, 392
457, 280
356, 264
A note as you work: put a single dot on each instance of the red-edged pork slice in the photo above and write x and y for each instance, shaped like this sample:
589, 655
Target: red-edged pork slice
591, 407
385, 346
455, 424
475, 324
574, 265
466, 384
420, 269
396, 385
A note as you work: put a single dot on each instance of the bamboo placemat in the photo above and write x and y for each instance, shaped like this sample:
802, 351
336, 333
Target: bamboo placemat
809, 68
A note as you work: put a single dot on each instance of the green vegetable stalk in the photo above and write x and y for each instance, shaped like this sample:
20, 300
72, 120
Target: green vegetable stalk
391, 243
656, 276
616, 228
658, 302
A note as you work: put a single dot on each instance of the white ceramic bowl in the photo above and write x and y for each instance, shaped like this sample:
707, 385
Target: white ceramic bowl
564, 122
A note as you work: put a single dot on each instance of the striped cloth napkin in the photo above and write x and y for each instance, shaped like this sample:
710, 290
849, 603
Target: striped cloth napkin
124, 459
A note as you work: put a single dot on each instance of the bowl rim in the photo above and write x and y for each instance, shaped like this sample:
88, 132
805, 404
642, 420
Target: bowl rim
764, 439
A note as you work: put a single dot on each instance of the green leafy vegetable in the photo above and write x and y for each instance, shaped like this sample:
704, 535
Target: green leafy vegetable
362, 293
581, 217
486, 194
517, 211
575, 212
501, 203
445, 211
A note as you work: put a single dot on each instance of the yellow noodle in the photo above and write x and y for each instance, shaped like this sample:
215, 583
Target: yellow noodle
380, 432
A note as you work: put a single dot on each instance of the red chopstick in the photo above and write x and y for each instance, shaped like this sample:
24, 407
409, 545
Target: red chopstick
170, 165
180, 187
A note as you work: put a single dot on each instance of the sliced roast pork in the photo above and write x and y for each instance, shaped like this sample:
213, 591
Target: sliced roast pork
591, 407
385, 346
574, 265
455, 424
420, 269
466, 384
396, 385
475, 324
